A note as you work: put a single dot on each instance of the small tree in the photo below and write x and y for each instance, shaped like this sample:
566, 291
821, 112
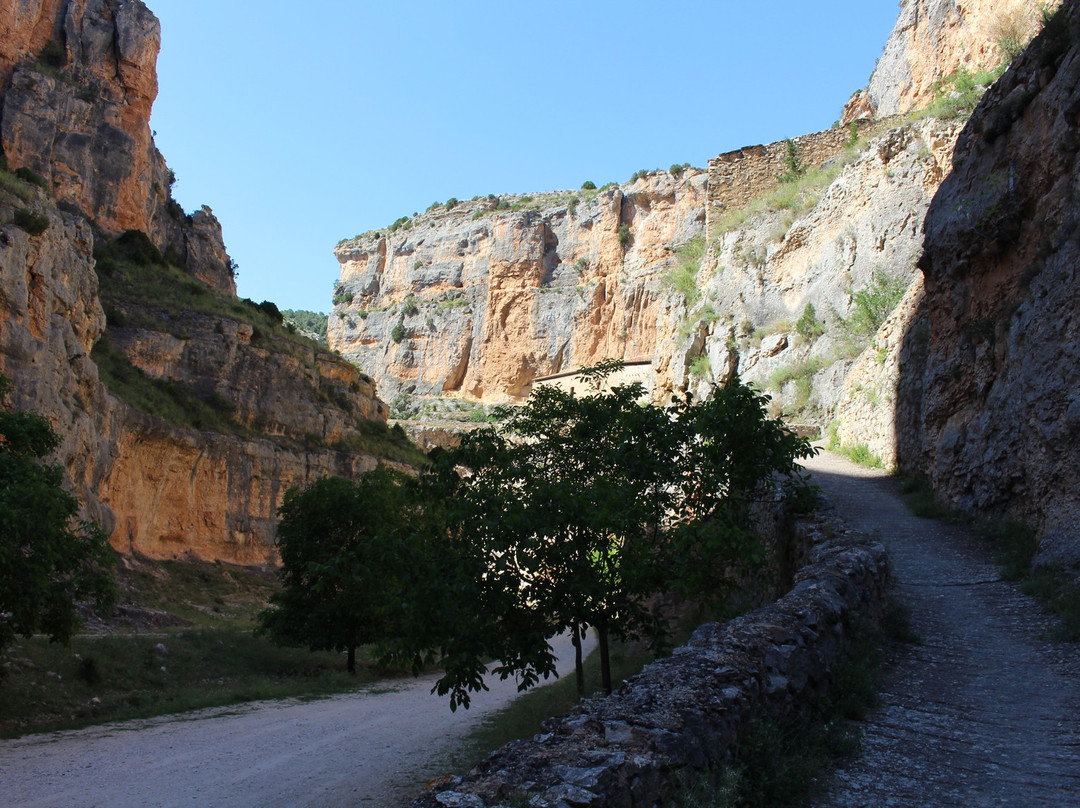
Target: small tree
581, 508
338, 570
48, 560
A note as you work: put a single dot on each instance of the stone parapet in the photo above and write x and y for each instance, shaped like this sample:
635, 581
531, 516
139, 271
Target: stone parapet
684, 713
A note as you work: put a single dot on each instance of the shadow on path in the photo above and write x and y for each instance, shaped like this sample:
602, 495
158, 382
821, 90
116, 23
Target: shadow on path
985, 711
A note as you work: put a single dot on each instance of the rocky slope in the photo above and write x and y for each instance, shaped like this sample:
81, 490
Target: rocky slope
937, 38
185, 413
989, 369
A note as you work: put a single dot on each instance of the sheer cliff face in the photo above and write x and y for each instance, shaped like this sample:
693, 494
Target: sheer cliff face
80, 79
989, 404
936, 38
478, 303
482, 301
78, 118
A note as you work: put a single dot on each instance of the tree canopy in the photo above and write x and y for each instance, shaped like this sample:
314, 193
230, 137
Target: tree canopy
48, 559
573, 512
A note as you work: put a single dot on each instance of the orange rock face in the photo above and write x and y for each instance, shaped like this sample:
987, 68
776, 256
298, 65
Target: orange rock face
78, 117
482, 301
25, 28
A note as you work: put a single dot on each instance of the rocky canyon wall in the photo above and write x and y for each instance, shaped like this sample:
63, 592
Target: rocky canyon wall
480, 299
936, 38
78, 82
475, 302
989, 370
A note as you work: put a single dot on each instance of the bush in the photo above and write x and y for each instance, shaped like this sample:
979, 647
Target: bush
792, 162
272, 311
53, 54
588, 185
135, 247
399, 332
809, 326
409, 307
33, 223
26, 175
870, 307
624, 236
451, 203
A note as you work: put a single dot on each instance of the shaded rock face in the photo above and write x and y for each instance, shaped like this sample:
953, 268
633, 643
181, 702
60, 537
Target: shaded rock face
488, 300
989, 406
79, 118
936, 38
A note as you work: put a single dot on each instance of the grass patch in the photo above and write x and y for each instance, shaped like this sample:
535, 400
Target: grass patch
1060, 596
134, 277
796, 371
860, 453
206, 594
17, 186
111, 678
957, 95
799, 193
379, 440
169, 399
684, 277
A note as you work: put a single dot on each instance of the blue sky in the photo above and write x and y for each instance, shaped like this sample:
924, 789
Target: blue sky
302, 124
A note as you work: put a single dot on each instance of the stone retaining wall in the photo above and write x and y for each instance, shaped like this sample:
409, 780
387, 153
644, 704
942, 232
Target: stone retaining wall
684, 712
737, 178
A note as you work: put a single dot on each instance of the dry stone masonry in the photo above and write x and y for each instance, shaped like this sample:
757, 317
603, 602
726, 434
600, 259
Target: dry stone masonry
682, 714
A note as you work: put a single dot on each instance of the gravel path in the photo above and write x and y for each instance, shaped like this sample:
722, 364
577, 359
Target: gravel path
985, 711
375, 748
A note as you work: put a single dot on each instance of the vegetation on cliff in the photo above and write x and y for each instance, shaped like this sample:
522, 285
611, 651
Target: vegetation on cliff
145, 296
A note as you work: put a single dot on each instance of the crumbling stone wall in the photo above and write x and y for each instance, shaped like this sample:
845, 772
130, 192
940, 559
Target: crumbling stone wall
684, 713
738, 177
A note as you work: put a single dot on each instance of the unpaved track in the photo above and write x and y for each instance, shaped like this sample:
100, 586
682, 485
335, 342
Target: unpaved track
368, 749
986, 711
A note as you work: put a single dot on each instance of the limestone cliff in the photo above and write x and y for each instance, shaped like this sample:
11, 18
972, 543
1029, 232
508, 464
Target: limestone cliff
989, 371
936, 38
478, 302
184, 413
480, 299
79, 81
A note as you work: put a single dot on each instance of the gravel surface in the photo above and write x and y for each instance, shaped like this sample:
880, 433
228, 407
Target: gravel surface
982, 713
374, 748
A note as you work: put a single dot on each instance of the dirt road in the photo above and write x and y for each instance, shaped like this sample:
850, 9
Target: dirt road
375, 748
984, 711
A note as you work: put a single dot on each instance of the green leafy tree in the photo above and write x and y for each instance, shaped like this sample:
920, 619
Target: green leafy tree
49, 560
572, 513
337, 542
579, 509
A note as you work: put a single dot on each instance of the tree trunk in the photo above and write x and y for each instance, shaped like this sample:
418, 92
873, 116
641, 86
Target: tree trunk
605, 658
351, 666
579, 668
